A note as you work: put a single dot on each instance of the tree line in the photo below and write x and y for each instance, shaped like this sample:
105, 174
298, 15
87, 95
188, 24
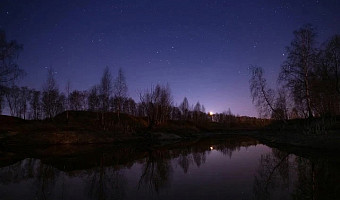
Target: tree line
308, 81
155, 104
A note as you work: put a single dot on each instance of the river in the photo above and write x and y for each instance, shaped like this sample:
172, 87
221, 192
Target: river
220, 168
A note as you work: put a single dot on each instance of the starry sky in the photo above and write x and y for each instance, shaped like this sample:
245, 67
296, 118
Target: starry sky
202, 48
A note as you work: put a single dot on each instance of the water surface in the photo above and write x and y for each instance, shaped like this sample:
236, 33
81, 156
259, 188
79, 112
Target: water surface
224, 168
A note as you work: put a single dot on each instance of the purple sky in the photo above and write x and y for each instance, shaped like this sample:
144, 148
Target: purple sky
201, 48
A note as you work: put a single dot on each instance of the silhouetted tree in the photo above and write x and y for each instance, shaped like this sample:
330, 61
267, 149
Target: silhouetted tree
262, 96
164, 103
35, 105
141, 109
93, 99
17, 100
175, 113
9, 69
129, 107
333, 54
61, 101
281, 105
105, 90
50, 96
120, 91
298, 68
12, 95
25, 96
325, 87
77, 100
197, 111
67, 105
156, 104
184, 107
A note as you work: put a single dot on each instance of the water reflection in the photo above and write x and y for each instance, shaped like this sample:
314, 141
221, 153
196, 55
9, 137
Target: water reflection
317, 179
273, 174
104, 183
156, 171
282, 175
40, 178
236, 167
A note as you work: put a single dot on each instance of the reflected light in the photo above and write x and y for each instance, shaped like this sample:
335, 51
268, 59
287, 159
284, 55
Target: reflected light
211, 148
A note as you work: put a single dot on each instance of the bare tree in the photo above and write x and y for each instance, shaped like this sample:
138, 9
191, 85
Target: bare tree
147, 104
281, 105
326, 86
197, 111
9, 69
262, 96
175, 113
105, 90
12, 95
67, 105
129, 107
93, 100
164, 103
77, 100
184, 107
333, 54
120, 91
50, 96
156, 104
297, 69
203, 109
25, 95
35, 105
61, 101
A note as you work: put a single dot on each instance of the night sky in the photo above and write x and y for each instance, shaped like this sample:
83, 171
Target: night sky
203, 49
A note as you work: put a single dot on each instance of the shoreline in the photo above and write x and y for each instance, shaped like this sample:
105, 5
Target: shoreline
326, 143
83, 128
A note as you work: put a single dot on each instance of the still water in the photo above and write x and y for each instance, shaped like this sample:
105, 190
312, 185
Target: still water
224, 168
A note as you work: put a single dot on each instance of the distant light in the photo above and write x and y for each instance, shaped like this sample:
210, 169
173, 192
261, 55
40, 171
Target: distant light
211, 113
211, 148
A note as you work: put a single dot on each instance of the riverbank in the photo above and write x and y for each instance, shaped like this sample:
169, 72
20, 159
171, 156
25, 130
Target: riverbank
86, 128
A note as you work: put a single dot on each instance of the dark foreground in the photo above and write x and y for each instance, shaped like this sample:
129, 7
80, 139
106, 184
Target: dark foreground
223, 167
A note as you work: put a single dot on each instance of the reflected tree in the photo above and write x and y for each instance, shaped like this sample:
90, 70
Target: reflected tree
185, 159
317, 179
273, 172
43, 176
199, 158
156, 171
105, 182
